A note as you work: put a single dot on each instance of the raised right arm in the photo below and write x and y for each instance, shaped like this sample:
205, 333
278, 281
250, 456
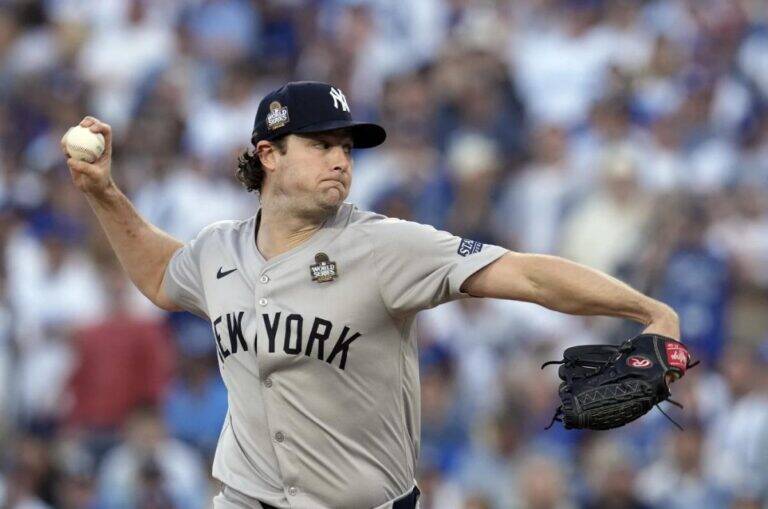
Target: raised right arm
143, 249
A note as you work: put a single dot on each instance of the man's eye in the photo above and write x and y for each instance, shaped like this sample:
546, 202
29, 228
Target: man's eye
321, 145
348, 149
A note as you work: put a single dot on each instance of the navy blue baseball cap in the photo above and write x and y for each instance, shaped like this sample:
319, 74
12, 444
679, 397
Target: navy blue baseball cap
311, 107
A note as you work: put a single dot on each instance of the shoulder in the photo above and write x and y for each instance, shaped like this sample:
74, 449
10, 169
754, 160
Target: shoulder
389, 234
372, 222
224, 229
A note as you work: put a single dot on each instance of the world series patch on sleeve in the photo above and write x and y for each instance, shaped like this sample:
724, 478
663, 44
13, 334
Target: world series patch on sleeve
607, 386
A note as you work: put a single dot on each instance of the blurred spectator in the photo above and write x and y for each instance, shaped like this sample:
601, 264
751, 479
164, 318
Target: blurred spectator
149, 470
606, 227
123, 361
144, 45
197, 403
688, 271
77, 492
18, 492
444, 427
478, 99
152, 493
610, 477
172, 200
608, 134
223, 31
474, 164
406, 171
663, 165
535, 200
407, 166
542, 484
476, 501
30, 479
676, 480
56, 267
657, 92
491, 466
736, 460
55, 289
468, 329
437, 491
75, 486
696, 281
625, 36
749, 54
483, 335
743, 234
222, 124
753, 160
535, 391
7, 221
371, 41
561, 59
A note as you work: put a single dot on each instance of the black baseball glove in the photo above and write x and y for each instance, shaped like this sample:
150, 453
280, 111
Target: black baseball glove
607, 386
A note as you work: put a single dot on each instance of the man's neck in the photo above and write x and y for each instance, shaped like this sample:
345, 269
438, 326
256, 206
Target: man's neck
280, 230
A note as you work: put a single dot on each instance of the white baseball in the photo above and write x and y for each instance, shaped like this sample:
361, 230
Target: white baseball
84, 145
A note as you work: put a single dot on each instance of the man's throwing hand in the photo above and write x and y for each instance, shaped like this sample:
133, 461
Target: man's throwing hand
95, 177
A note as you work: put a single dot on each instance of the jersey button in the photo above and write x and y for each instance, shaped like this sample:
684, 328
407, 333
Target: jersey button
262, 302
292, 491
279, 436
268, 383
264, 279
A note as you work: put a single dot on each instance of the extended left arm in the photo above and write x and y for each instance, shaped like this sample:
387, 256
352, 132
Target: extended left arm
569, 287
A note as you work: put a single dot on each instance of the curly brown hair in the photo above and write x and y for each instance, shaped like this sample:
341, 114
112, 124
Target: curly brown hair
249, 171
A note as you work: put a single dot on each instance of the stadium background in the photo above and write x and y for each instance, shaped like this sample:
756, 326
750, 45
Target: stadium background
628, 135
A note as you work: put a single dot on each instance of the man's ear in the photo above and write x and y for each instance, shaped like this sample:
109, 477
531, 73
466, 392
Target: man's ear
265, 151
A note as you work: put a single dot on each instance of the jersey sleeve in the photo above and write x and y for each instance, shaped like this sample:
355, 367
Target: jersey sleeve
420, 267
183, 282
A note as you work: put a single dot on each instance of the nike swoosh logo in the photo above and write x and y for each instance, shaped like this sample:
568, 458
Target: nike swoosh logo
221, 274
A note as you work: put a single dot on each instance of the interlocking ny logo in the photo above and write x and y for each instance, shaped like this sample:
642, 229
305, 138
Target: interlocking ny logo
338, 98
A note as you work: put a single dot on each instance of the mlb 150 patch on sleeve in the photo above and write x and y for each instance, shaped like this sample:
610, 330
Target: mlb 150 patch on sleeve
468, 247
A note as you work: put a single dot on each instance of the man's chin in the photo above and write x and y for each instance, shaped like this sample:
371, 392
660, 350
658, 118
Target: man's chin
331, 199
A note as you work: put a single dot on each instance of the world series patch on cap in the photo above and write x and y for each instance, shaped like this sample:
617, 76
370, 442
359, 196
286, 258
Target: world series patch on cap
277, 116
311, 107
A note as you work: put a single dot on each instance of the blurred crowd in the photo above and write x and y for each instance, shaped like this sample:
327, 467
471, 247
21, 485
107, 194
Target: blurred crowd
628, 135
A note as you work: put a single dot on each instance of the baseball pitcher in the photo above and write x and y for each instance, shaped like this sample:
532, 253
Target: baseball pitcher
312, 305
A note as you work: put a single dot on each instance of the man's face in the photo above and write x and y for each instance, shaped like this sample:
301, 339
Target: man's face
315, 172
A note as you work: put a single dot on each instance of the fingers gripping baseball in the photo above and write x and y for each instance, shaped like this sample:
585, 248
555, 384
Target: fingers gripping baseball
94, 176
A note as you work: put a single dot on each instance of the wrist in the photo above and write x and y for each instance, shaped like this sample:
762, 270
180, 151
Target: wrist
104, 196
663, 312
663, 320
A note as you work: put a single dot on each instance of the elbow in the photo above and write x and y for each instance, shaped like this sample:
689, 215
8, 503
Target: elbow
537, 292
534, 273
161, 300
165, 305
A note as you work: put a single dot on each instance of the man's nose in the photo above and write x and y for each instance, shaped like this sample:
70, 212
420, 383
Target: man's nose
339, 158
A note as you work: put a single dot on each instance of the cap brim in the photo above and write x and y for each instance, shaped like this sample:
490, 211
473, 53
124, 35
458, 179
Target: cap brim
364, 135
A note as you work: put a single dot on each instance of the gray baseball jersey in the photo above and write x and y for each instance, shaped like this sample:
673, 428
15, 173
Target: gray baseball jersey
317, 349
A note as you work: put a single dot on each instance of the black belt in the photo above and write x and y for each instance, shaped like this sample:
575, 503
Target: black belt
406, 502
